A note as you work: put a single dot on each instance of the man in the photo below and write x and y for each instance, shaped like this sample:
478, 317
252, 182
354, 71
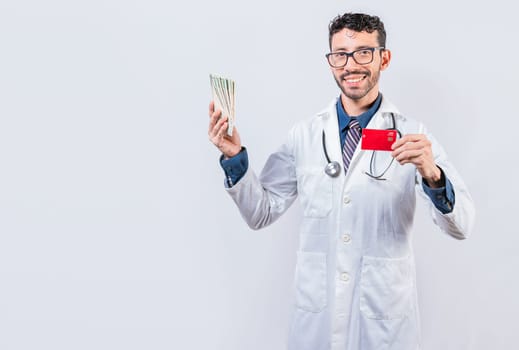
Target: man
355, 275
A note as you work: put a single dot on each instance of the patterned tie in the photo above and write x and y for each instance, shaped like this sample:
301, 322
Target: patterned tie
350, 143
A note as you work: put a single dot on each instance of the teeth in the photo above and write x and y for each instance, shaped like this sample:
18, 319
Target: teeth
354, 80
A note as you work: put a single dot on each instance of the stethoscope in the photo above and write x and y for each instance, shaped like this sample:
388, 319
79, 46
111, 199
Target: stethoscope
333, 169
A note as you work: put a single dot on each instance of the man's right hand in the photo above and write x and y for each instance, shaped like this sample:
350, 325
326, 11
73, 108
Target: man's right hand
228, 145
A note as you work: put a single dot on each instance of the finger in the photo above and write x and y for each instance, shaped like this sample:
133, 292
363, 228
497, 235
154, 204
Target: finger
397, 151
409, 146
410, 156
211, 108
213, 133
407, 138
221, 134
214, 117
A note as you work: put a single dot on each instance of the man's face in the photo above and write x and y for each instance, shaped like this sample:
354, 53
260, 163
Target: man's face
358, 81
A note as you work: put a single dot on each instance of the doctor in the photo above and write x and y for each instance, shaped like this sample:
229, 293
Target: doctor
355, 274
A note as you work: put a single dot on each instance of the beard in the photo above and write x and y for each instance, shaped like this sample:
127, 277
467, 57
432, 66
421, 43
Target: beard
357, 93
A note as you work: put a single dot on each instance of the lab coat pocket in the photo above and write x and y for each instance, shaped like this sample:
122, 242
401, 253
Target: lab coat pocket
386, 288
310, 281
315, 192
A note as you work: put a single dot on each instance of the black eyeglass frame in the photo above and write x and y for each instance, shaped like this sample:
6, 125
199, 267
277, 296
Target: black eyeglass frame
351, 54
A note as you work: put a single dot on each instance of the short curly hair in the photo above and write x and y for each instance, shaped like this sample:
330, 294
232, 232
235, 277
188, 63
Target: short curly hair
358, 22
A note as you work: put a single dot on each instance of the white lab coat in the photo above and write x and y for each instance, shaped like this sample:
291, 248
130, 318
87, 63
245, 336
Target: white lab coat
355, 274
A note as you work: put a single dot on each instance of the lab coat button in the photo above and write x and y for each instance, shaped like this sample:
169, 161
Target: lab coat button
346, 200
346, 238
345, 276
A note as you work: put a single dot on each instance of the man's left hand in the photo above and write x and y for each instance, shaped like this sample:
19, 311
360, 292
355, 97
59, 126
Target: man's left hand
416, 149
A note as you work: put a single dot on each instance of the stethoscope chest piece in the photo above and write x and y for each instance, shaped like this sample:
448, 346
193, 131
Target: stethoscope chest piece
332, 169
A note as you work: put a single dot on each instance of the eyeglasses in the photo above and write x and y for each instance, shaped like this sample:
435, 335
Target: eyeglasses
361, 56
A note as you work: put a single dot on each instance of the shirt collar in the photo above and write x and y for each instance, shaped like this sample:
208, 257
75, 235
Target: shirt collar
363, 119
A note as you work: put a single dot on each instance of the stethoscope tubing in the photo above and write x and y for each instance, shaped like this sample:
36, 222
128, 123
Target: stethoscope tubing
333, 168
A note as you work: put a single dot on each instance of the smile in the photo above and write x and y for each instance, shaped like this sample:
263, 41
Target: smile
355, 80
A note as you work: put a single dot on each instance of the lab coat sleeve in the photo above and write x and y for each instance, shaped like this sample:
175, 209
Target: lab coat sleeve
459, 222
261, 200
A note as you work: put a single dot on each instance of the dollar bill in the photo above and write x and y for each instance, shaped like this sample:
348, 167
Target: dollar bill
224, 97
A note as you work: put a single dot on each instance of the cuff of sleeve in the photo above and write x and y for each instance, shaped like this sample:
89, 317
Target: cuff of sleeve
443, 198
235, 167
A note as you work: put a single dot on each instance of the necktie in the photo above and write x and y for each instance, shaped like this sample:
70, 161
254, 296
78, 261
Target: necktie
350, 143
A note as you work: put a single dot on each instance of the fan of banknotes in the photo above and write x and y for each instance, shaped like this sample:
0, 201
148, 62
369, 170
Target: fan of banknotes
224, 97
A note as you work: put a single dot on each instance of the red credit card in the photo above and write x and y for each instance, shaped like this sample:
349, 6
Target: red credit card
377, 140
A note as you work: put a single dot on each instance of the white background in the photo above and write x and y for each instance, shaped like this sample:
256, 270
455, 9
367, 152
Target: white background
115, 230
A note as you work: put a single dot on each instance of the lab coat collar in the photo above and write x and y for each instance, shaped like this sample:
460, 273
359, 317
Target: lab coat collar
384, 111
